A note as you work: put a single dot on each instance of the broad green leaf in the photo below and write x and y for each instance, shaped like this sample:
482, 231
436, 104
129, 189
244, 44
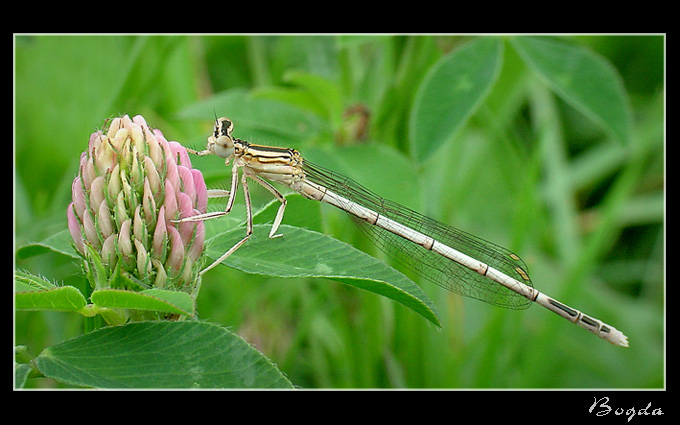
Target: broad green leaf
59, 242
451, 92
581, 77
37, 293
305, 253
151, 299
185, 354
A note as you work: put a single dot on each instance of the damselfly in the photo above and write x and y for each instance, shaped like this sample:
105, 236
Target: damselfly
455, 260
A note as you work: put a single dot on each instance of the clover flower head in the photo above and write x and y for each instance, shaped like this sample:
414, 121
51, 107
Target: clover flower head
131, 186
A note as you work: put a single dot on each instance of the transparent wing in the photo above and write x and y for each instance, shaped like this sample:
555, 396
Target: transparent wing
438, 269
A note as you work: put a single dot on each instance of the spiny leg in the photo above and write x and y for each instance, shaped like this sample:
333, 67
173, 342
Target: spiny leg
217, 193
282, 208
199, 153
249, 226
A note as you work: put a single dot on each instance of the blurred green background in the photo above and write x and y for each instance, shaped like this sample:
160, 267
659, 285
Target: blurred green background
528, 171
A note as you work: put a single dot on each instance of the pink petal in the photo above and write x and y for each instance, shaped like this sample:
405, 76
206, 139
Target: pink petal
124, 241
116, 124
197, 244
148, 202
201, 191
90, 230
152, 175
187, 180
186, 229
78, 196
176, 257
109, 250
138, 119
170, 201
95, 141
172, 174
97, 191
159, 136
180, 152
159, 235
89, 173
104, 219
74, 229
155, 150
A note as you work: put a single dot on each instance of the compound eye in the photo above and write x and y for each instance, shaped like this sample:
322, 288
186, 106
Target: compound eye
223, 127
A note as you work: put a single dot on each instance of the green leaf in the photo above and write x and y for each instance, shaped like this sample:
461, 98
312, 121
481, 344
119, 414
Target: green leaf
65, 298
451, 92
183, 354
37, 293
322, 90
253, 114
292, 96
581, 77
394, 178
151, 299
25, 281
305, 253
59, 242
300, 212
21, 372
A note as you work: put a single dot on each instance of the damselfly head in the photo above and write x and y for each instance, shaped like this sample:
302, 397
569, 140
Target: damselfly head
221, 143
